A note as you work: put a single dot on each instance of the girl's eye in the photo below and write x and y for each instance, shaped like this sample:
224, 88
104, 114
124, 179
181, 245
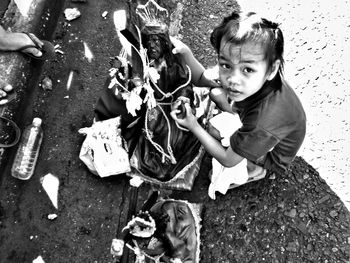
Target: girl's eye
224, 65
248, 70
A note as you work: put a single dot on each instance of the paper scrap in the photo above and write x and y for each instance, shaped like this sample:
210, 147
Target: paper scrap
52, 216
70, 78
50, 184
88, 53
39, 259
136, 181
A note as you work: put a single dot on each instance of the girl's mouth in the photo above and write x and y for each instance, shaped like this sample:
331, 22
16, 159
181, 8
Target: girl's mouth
234, 91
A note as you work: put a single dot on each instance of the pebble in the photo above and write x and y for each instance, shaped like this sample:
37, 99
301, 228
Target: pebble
272, 176
292, 213
46, 83
72, 13
333, 213
292, 247
309, 247
323, 199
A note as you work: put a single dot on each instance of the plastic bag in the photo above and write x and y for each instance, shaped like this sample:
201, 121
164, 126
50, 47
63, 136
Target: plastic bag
104, 150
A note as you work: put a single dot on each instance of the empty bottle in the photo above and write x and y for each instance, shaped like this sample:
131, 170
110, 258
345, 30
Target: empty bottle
28, 151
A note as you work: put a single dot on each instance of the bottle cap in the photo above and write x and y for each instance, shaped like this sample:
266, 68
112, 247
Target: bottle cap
37, 121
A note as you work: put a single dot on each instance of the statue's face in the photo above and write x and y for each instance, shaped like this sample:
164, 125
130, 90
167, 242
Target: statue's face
154, 47
179, 215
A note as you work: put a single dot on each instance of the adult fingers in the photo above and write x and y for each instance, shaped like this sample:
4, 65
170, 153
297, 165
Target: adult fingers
36, 40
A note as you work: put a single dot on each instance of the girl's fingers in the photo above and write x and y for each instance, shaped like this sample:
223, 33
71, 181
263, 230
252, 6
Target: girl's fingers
188, 107
176, 105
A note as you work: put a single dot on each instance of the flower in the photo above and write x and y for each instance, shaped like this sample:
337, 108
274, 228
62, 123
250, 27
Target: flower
153, 74
133, 101
149, 98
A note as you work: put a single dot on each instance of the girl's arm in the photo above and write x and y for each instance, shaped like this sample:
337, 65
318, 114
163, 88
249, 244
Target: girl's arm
199, 76
227, 157
219, 97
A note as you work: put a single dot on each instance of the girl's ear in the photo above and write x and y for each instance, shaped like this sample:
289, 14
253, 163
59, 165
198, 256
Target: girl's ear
274, 69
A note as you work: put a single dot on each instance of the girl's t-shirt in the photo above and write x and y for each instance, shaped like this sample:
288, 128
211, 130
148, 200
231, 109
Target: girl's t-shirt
273, 126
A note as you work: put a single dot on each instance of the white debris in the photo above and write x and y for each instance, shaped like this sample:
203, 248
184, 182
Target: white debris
104, 14
119, 18
52, 216
117, 247
70, 78
46, 83
59, 51
136, 181
23, 7
88, 54
39, 259
72, 13
50, 184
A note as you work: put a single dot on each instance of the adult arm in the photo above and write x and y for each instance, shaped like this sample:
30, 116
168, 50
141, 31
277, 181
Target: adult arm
12, 41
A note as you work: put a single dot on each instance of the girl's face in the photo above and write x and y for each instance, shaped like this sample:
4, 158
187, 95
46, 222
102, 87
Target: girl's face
243, 69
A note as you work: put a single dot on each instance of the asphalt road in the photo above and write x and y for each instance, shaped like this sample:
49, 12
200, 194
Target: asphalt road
90, 210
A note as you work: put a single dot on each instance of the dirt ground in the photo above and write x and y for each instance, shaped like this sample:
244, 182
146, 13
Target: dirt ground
291, 217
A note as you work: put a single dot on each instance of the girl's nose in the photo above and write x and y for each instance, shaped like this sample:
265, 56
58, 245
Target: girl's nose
233, 77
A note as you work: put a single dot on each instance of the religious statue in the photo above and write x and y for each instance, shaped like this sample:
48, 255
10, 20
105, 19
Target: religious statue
145, 80
164, 230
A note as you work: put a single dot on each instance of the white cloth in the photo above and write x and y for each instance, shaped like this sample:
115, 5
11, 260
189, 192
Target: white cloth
226, 123
222, 177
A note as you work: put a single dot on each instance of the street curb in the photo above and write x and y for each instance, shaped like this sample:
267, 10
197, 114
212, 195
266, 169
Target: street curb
18, 69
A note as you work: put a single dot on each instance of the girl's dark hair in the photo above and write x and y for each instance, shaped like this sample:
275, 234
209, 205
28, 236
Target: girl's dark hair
240, 28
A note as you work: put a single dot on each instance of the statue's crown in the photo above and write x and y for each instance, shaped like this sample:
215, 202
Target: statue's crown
153, 18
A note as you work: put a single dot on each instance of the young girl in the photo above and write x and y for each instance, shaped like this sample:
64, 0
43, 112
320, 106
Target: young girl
250, 60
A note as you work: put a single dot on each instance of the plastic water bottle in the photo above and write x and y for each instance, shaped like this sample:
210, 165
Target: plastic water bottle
28, 151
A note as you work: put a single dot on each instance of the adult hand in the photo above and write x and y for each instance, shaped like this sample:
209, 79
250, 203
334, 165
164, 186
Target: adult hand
4, 90
30, 40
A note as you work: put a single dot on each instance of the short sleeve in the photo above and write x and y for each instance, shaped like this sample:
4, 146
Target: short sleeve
253, 143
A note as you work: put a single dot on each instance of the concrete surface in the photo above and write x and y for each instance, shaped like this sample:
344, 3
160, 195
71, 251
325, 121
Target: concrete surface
317, 58
40, 18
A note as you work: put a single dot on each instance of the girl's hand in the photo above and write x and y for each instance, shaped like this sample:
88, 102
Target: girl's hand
179, 47
212, 75
189, 120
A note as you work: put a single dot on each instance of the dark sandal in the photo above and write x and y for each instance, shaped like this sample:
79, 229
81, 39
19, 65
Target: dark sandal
9, 131
47, 50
